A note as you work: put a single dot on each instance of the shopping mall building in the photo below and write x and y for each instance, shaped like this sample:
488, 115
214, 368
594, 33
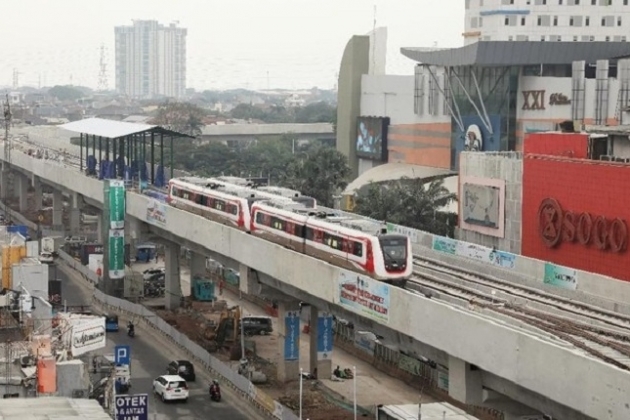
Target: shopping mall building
490, 96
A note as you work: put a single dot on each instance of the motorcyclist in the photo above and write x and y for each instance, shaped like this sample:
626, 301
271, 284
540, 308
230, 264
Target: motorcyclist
214, 388
131, 329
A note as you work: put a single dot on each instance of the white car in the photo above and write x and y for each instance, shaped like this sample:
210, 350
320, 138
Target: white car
46, 258
170, 388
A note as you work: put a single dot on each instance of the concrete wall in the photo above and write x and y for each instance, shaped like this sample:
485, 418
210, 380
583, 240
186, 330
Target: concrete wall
539, 365
508, 167
354, 63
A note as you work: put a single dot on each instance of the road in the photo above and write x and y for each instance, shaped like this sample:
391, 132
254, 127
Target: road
150, 356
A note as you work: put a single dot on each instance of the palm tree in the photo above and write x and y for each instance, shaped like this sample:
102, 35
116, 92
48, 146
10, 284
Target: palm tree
409, 202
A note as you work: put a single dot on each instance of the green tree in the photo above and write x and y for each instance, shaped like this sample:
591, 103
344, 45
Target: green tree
320, 172
318, 112
182, 117
409, 202
65, 93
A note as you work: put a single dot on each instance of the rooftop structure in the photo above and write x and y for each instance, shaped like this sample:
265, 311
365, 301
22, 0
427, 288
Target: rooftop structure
49, 408
546, 20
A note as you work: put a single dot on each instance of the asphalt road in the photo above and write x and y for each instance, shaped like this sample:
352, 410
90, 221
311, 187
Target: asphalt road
149, 360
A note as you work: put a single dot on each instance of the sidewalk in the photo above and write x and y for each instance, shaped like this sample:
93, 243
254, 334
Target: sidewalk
373, 386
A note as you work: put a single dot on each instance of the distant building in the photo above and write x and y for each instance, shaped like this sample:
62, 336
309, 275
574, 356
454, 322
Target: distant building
151, 60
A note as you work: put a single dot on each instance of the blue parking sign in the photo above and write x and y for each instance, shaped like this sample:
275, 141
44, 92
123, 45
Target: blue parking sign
132, 407
122, 355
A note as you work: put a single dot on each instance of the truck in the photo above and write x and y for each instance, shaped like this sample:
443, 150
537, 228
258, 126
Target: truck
52, 244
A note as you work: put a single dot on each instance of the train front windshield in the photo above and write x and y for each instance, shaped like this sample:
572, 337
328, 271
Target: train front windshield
394, 248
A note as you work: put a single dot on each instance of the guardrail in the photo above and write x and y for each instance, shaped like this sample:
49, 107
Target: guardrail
225, 373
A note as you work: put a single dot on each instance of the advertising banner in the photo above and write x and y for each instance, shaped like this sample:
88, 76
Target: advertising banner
132, 407
473, 251
364, 296
87, 335
116, 197
559, 276
292, 335
402, 230
324, 336
156, 213
116, 254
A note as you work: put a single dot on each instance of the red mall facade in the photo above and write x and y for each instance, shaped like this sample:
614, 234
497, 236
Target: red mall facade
575, 209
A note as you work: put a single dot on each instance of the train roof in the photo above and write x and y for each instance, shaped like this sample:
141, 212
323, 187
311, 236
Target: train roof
285, 192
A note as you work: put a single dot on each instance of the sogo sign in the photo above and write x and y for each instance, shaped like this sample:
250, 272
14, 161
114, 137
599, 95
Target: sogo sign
556, 226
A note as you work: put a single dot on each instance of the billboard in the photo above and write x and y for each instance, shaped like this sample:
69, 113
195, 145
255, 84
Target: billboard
87, 335
372, 138
116, 254
475, 137
482, 205
116, 198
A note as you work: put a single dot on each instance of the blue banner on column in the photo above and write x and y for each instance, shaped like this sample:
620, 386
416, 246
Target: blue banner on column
324, 336
292, 336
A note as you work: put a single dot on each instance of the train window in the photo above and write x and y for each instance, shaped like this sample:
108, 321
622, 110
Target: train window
199, 199
299, 231
277, 223
310, 234
333, 241
232, 209
219, 205
357, 249
394, 248
203, 200
260, 218
290, 228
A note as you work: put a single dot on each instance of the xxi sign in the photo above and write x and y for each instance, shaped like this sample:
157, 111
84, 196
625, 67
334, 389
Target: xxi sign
533, 100
556, 225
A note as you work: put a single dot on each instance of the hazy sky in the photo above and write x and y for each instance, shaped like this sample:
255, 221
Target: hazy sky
231, 43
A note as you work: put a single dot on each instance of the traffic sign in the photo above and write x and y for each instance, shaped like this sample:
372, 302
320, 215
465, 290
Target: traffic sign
122, 355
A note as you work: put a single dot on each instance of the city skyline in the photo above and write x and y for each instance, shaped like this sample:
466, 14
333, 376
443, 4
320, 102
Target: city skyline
278, 44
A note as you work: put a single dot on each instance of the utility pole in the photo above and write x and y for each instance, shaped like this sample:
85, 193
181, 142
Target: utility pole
7, 157
102, 75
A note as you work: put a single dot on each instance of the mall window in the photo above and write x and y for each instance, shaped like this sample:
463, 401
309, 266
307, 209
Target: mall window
587, 21
625, 2
507, 21
522, 21
607, 39
618, 20
575, 38
555, 21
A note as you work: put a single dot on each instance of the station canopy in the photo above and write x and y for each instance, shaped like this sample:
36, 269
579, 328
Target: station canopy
115, 129
396, 171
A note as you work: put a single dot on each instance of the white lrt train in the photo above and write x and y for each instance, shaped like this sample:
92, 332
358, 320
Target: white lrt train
382, 256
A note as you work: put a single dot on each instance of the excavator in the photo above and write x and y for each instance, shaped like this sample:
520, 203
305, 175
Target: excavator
225, 332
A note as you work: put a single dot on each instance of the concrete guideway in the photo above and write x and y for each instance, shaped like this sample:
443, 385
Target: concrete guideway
547, 369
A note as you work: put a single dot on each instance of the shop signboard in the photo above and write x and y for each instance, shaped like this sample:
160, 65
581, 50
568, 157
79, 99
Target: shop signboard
132, 407
116, 254
87, 335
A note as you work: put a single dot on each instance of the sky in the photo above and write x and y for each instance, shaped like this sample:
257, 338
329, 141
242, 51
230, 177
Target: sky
255, 44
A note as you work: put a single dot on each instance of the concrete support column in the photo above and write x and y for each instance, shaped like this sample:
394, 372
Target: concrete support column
99, 229
4, 182
75, 213
321, 343
288, 341
22, 191
248, 283
464, 381
173, 292
197, 269
57, 216
38, 195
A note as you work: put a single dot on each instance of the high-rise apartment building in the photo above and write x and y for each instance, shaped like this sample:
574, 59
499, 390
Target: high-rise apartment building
547, 20
150, 60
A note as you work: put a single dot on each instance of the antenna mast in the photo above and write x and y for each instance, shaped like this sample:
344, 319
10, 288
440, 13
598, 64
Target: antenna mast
102, 75
7, 156
373, 67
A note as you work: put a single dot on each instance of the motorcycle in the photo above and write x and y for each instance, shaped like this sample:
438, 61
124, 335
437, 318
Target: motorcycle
215, 392
131, 331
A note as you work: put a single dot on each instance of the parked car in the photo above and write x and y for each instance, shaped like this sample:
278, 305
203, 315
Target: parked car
46, 258
152, 272
170, 388
257, 325
183, 368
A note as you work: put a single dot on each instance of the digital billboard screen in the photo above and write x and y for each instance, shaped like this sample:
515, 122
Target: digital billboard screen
372, 138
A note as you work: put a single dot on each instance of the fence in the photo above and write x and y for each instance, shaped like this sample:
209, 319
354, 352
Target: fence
430, 380
219, 369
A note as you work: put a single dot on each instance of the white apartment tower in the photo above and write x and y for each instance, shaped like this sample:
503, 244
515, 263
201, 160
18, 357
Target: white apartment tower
151, 60
547, 20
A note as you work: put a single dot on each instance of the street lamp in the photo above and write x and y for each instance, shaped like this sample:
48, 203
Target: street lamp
354, 386
301, 389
